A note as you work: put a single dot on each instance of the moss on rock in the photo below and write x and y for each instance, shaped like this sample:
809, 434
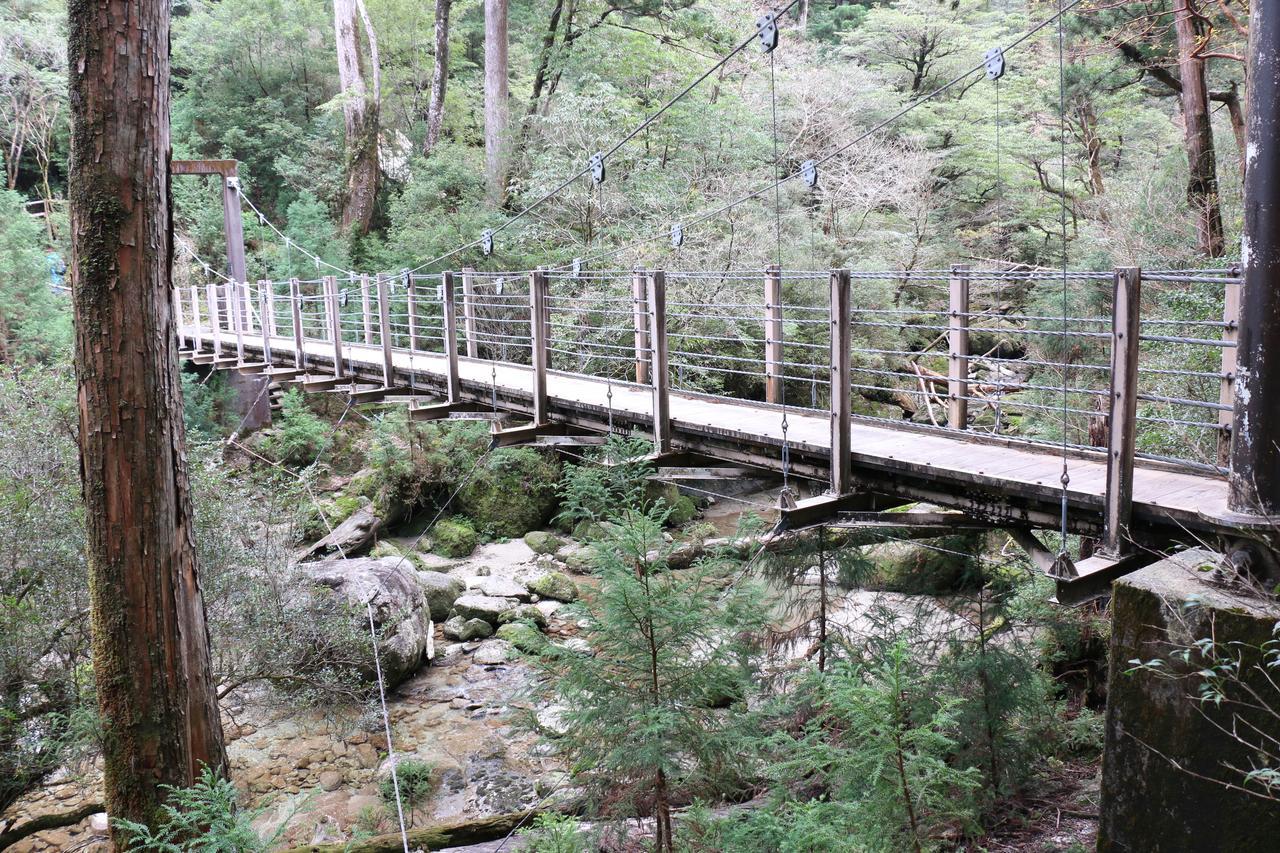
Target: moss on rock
523, 636
554, 585
542, 542
453, 537
513, 493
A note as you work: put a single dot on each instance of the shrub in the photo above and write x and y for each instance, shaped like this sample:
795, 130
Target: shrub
553, 833
299, 435
592, 491
416, 779
207, 406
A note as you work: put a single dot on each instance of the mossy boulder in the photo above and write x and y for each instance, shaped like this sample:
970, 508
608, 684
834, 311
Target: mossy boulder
683, 511
680, 508
317, 519
454, 537
915, 567
542, 542
524, 613
580, 561
385, 549
554, 585
589, 530
512, 493
466, 630
523, 636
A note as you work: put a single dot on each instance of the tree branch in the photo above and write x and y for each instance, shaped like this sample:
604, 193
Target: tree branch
15, 834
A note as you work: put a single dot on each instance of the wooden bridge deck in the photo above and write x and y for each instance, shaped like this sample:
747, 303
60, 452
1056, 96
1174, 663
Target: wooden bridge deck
988, 477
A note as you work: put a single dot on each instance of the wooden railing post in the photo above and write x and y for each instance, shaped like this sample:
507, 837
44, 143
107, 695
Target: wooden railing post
841, 404
335, 323
299, 345
263, 306
958, 345
236, 295
196, 332
659, 376
269, 318
215, 317
1122, 441
538, 340
450, 337
366, 313
640, 319
411, 308
469, 311
773, 354
384, 329
1226, 392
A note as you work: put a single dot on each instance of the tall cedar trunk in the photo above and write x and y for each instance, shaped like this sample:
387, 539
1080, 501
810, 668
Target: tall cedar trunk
361, 83
439, 77
1202, 181
150, 641
495, 98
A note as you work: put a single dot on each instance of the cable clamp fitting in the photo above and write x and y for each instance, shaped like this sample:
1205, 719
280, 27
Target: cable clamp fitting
767, 31
994, 63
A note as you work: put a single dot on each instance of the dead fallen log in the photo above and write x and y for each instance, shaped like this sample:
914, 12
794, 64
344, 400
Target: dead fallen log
434, 837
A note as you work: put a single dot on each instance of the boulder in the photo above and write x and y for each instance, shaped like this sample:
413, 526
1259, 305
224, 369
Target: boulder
400, 609
523, 636
492, 654
486, 607
349, 538
542, 542
441, 591
588, 530
466, 630
556, 585
524, 613
512, 493
497, 587
452, 537
580, 561
385, 549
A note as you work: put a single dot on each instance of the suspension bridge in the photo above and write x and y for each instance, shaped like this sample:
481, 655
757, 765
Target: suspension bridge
573, 356
1139, 424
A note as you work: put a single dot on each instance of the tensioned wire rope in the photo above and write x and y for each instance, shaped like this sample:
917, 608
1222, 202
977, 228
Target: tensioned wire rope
876, 128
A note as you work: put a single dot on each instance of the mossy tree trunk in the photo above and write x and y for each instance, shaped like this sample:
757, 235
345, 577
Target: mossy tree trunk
361, 80
150, 641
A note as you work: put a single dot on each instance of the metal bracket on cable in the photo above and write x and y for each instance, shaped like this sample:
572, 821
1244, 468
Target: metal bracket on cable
578, 266
767, 31
677, 235
809, 173
597, 168
486, 241
405, 278
994, 63
342, 298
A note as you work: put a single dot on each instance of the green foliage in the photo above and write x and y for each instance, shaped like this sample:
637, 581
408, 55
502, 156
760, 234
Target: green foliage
555, 833
207, 406
666, 647
454, 537
869, 771
511, 493
299, 434
205, 818
594, 491
416, 780
35, 323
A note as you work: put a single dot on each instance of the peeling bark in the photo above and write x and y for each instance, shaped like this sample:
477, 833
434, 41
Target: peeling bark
150, 640
439, 77
1202, 181
361, 82
495, 98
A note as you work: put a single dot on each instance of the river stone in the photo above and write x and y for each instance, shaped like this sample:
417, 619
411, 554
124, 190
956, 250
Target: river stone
486, 607
542, 542
525, 613
350, 537
465, 630
441, 591
399, 603
498, 587
493, 653
523, 636
555, 585
579, 561
331, 780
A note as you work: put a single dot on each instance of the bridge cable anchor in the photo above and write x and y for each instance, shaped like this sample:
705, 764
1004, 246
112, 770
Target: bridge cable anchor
993, 62
809, 174
767, 31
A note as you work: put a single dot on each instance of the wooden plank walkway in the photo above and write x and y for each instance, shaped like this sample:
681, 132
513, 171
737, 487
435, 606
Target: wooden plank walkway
993, 478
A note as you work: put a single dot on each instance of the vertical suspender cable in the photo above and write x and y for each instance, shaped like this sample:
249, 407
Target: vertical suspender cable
777, 233
1000, 255
386, 724
1062, 153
